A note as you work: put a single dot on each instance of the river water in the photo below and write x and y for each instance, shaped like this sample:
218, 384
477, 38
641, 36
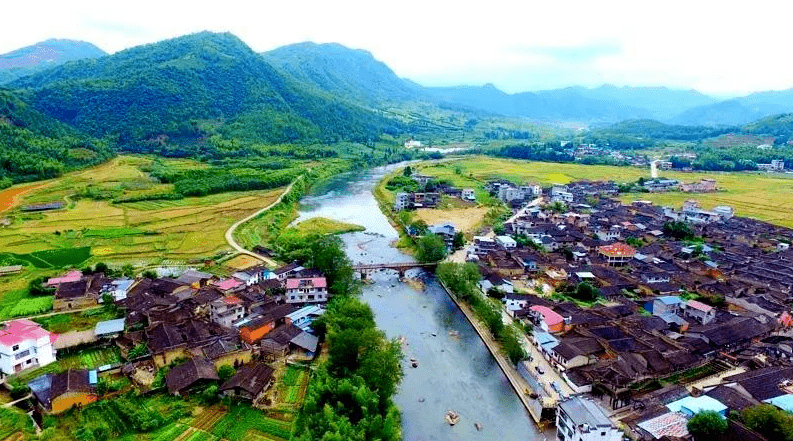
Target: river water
455, 370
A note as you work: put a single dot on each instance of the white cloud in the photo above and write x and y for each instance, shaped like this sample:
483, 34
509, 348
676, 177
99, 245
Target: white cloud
716, 47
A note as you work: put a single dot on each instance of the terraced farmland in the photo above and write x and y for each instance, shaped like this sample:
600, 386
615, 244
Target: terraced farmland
138, 232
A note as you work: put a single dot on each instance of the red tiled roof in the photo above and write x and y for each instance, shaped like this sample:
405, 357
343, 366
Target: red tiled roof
698, 305
617, 250
314, 282
225, 285
550, 316
71, 276
232, 300
17, 331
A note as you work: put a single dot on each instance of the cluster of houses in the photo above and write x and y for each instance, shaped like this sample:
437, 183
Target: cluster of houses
719, 305
193, 324
430, 199
660, 185
776, 165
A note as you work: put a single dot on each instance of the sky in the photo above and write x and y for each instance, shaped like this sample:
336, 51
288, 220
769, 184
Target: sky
720, 48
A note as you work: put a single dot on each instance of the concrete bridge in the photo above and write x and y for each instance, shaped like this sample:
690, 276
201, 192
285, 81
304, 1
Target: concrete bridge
399, 267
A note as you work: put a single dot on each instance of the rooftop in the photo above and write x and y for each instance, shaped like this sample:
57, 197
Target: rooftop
669, 424
550, 316
228, 284
17, 331
692, 406
617, 250
315, 282
583, 411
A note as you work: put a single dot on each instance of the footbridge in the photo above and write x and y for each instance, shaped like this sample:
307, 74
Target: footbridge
399, 267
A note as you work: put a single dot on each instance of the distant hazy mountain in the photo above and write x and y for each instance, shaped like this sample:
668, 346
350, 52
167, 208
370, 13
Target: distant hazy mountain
166, 87
44, 55
340, 70
553, 105
661, 102
739, 110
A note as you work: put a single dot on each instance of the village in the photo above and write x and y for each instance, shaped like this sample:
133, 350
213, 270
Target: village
189, 334
637, 316
640, 316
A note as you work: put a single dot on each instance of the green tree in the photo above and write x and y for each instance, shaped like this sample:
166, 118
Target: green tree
149, 274
678, 230
707, 426
101, 267
419, 228
407, 171
769, 421
225, 372
459, 240
586, 292
431, 248
460, 278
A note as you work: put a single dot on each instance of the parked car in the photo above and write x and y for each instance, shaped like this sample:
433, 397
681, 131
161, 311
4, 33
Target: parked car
539, 370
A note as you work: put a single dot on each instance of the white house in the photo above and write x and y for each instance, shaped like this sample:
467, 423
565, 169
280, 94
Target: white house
307, 290
506, 242
225, 311
118, 288
402, 201
579, 419
484, 244
700, 312
23, 345
249, 276
468, 194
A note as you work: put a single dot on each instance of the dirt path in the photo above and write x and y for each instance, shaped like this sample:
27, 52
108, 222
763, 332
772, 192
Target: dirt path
230, 231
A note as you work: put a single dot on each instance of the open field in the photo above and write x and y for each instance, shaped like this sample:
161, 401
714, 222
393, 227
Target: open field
767, 197
137, 232
467, 220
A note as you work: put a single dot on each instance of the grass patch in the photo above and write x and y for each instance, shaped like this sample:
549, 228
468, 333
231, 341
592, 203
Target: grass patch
14, 420
80, 321
322, 225
31, 306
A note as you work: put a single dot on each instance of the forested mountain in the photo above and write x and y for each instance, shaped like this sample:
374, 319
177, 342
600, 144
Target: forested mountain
343, 71
171, 87
44, 55
35, 146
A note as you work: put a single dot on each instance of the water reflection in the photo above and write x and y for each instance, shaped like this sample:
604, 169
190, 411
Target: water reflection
455, 370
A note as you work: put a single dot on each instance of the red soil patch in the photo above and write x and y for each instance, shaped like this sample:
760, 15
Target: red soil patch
10, 196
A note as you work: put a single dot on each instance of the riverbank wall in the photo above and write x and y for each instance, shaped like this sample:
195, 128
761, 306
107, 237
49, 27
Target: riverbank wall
518, 383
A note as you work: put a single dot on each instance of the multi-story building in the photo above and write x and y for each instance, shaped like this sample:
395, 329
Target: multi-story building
307, 290
484, 245
579, 419
226, 311
402, 202
617, 253
24, 344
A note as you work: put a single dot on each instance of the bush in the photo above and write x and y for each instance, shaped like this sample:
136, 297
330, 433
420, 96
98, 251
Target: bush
707, 426
431, 248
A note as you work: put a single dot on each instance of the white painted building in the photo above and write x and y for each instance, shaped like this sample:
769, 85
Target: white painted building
580, 419
307, 290
225, 311
24, 344
506, 242
468, 194
402, 201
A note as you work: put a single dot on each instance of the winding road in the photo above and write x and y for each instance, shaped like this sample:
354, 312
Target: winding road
238, 247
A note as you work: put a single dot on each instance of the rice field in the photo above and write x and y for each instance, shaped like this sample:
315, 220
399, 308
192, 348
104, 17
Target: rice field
767, 197
142, 233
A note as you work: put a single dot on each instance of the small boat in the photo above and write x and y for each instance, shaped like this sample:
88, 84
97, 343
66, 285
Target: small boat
452, 417
479, 426
415, 364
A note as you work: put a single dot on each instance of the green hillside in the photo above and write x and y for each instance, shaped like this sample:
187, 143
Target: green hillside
35, 146
178, 87
343, 71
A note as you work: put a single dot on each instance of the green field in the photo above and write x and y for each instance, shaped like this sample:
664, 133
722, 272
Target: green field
84, 359
242, 419
322, 225
140, 233
767, 197
80, 321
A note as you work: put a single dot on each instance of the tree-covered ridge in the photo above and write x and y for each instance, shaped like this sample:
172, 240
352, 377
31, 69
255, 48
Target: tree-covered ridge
167, 87
44, 55
34, 146
342, 71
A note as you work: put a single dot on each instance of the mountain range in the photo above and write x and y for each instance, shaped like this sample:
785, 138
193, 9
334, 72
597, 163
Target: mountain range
307, 91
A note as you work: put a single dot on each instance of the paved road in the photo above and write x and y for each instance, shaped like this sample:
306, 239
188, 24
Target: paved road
230, 231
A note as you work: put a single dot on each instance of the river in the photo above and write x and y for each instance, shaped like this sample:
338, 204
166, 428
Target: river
455, 370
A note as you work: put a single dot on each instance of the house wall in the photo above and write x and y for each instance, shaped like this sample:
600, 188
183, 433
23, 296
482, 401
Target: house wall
74, 303
71, 399
236, 358
39, 352
165, 358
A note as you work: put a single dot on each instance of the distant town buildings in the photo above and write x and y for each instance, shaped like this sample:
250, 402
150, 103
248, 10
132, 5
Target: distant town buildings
776, 165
